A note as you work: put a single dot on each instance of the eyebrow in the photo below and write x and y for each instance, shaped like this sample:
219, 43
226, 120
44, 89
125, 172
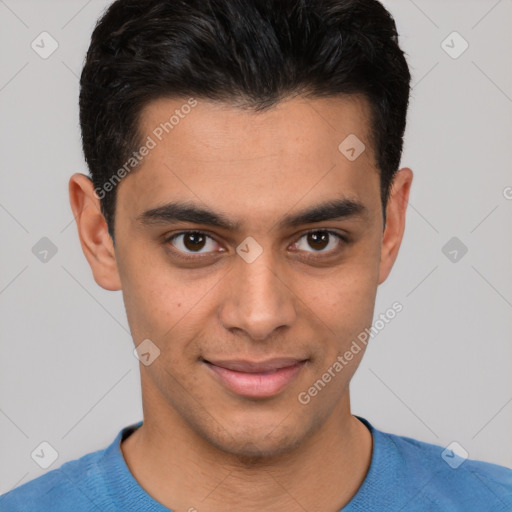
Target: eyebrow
189, 212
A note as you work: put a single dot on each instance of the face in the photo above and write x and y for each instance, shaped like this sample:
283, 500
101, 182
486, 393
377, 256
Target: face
249, 249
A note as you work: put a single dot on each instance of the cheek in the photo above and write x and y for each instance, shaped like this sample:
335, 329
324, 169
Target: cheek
166, 304
152, 300
154, 307
344, 299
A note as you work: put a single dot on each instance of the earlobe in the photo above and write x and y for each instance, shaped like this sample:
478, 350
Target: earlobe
95, 240
395, 221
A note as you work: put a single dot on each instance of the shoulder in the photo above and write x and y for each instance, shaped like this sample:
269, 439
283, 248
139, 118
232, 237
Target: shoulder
449, 480
73, 486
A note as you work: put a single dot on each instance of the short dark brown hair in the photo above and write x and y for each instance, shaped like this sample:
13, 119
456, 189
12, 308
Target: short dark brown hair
250, 53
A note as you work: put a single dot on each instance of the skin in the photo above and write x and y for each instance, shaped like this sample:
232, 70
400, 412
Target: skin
201, 446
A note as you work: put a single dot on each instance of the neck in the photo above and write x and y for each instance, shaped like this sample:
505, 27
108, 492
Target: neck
184, 472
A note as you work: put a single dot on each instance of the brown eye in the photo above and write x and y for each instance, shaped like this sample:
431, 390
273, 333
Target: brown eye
318, 240
323, 241
192, 242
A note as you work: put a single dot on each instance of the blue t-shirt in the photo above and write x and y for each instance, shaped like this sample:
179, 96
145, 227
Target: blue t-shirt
404, 475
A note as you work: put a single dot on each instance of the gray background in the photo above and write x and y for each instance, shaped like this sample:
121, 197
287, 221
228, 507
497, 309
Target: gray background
439, 372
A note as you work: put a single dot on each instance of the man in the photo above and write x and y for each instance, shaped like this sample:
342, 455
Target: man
246, 197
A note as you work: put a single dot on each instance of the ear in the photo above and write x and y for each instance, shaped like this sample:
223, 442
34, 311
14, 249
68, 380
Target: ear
395, 221
95, 239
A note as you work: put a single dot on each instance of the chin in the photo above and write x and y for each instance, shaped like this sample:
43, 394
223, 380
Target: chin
254, 445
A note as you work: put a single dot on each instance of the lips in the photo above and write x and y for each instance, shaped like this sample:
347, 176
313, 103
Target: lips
269, 365
262, 379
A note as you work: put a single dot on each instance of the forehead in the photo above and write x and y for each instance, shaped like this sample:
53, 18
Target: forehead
244, 133
252, 164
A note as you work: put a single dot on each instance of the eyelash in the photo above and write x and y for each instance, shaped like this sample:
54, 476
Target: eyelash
342, 239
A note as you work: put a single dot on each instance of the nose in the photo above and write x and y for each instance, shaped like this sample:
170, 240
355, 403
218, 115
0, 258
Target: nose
258, 300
